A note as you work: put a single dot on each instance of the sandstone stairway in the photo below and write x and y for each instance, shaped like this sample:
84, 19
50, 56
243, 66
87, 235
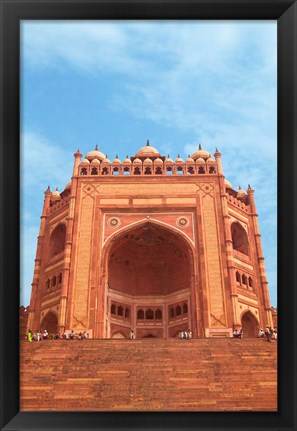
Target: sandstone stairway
149, 375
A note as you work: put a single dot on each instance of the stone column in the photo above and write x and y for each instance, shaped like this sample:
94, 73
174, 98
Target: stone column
68, 245
260, 257
228, 241
35, 291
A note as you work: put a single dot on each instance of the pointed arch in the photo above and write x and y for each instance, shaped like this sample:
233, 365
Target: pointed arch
239, 238
249, 324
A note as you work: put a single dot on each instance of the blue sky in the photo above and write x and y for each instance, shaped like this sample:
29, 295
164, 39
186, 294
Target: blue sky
118, 83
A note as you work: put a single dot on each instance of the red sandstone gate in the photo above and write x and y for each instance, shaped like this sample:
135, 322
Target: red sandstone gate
149, 283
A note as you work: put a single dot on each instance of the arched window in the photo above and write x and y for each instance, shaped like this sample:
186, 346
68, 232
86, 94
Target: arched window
147, 171
238, 278
201, 170
140, 314
115, 171
94, 171
120, 310
250, 282
169, 170
57, 240
149, 314
127, 313
244, 279
113, 309
83, 171
212, 170
126, 171
54, 280
171, 312
158, 171
60, 278
239, 238
185, 308
191, 170
158, 314
179, 170
178, 310
48, 283
136, 171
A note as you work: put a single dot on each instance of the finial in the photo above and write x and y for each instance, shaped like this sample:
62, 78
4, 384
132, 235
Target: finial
117, 156
249, 186
57, 189
148, 143
217, 150
106, 156
168, 156
239, 188
96, 148
127, 157
178, 156
189, 156
48, 188
200, 148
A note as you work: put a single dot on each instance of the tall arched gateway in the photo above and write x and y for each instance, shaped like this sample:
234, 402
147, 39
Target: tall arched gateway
151, 244
150, 277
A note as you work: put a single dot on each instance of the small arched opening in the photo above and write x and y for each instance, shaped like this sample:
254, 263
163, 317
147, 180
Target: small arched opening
239, 238
50, 323
250, 325
57, 240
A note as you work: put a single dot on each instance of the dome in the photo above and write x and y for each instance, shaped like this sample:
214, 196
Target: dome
106, 160
158, 161
241, 194
200, 153
55, 195
189, 159
228, 184
95, 154
85, 162
200, 160
169, 159
137, 161
68, 186
210, 159
95, 162
127, 160
179, 159
147, 151
116, 160
147, 161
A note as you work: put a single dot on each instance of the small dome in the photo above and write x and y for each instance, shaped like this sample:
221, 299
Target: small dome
189, 159
241, 194
158, 161
147, 161
106, 160
137, 161
168, 160
147, 151
228, 184
68, 186
116, 160
95, 162
127, 161
210, 159
55, 195
200, 160
85, 162
95, 154
179, 159
200, 153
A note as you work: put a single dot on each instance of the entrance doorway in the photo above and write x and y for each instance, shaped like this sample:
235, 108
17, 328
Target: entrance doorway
250, 325
149, 283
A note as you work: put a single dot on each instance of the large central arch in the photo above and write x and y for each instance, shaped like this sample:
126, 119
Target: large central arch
149, 272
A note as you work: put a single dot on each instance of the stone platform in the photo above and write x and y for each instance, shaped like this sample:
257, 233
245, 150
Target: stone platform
149, 375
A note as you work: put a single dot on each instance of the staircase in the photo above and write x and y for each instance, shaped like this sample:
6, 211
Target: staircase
149, 375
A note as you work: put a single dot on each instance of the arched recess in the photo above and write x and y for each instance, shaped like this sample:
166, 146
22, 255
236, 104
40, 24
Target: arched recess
50, 323
57, 240
249, 324
148, 259
239, 238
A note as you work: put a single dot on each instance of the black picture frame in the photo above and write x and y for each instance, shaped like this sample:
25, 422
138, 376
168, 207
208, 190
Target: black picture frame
12, 12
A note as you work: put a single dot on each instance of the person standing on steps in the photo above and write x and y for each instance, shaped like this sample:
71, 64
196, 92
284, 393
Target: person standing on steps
268, 334
132, 335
